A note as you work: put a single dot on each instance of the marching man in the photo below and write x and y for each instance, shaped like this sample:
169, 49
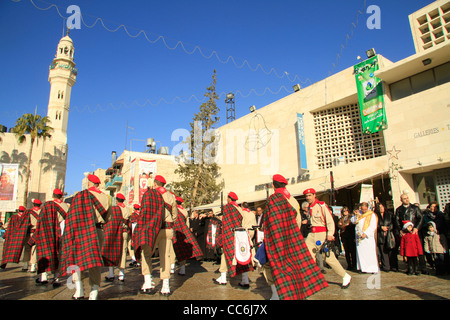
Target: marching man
232, 220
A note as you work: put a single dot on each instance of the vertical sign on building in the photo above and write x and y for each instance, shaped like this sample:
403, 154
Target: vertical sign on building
301, 141
131, 187
146, 168
9, 177
370, 96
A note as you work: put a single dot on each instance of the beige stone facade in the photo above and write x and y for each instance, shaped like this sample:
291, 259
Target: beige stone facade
120, 177
412, 155
49, 157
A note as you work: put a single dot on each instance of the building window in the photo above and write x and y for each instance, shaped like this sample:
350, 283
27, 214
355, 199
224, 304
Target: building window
420, 82
339, 137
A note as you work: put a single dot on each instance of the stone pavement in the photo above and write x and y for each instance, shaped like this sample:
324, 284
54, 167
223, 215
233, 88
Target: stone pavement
197, 284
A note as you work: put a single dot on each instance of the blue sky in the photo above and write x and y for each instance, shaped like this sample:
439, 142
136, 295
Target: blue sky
156, 88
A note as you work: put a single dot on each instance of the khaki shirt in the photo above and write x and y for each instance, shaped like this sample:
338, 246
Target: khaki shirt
321, 217
248, 221
294, 203
33, 219
169, 198
185, 214
105, 201
63, 206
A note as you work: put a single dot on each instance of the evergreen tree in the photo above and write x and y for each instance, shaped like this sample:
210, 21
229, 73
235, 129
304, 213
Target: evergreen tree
199, 172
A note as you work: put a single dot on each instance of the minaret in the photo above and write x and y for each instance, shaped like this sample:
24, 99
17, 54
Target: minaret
62, 77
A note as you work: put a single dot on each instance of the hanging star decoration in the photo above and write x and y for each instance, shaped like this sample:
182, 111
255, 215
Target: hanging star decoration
393, 153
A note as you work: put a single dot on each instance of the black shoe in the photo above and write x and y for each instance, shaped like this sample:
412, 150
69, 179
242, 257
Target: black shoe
244, 286
41, 283
149, 291
121, 280
56, 284
78, 298
133, 264
108, 279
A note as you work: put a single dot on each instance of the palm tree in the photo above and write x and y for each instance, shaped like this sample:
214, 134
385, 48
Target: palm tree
34, 127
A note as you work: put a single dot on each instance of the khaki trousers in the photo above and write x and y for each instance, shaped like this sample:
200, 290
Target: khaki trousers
223, 264
163, 242
314, 248
267, 272
126, 241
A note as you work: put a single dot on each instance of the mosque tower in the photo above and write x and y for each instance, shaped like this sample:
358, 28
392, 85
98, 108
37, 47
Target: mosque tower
62, 76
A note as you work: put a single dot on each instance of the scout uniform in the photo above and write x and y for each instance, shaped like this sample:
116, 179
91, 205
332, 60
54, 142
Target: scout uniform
114, 250
126, 234
184, 244
47, 237
29, 254
165, 236
15, 237
144, 235
83, 237
232, 219
134, 218
322, 225
282, 231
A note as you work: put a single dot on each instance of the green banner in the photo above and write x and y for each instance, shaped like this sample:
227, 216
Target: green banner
370, 96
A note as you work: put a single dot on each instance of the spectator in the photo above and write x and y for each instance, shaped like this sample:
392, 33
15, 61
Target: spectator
306, 219
435, 245
366, 248
386, 237
347, 232
411, 248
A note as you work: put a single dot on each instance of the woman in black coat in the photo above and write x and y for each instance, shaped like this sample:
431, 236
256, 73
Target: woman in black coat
386, 237
347, 234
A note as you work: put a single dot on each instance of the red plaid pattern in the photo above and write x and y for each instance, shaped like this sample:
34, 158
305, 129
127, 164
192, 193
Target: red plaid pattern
295, 273
47, 237
150, 221
184, 243
15, 237
80, 245
231, 219
113, 238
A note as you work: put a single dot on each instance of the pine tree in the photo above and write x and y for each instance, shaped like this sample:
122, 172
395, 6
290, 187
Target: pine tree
199, 173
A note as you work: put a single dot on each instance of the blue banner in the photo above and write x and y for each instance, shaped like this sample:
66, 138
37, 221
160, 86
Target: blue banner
301, 141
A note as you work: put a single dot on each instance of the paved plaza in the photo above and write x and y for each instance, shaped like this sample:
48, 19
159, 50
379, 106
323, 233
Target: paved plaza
197, 284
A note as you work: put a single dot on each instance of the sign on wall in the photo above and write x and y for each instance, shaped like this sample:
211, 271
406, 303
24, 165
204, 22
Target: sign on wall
9, 182
301, 141
370, 96
147, 171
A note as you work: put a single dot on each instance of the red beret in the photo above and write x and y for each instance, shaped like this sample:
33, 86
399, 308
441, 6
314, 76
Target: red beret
310, 190
279, 178
36, 201
22, 208
233, 196
120, 196
58, 192
160, 178
93, 178
136, 206
179, 199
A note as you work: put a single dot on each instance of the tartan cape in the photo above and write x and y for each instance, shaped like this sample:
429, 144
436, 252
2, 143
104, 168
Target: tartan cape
296, 275
80, 243
184, 243
150, 221
113, 238
15, 238
47, 237
231, 219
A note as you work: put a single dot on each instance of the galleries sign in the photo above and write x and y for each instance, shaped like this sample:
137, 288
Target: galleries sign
370, 96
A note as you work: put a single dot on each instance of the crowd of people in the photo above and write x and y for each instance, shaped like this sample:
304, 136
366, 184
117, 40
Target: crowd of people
92, 233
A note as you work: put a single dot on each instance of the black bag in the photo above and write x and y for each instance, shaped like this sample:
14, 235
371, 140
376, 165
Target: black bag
390, 240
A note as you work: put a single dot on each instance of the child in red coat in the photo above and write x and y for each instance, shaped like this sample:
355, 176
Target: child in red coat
411, 248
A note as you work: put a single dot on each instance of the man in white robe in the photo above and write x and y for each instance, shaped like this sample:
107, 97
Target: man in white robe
366, 245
